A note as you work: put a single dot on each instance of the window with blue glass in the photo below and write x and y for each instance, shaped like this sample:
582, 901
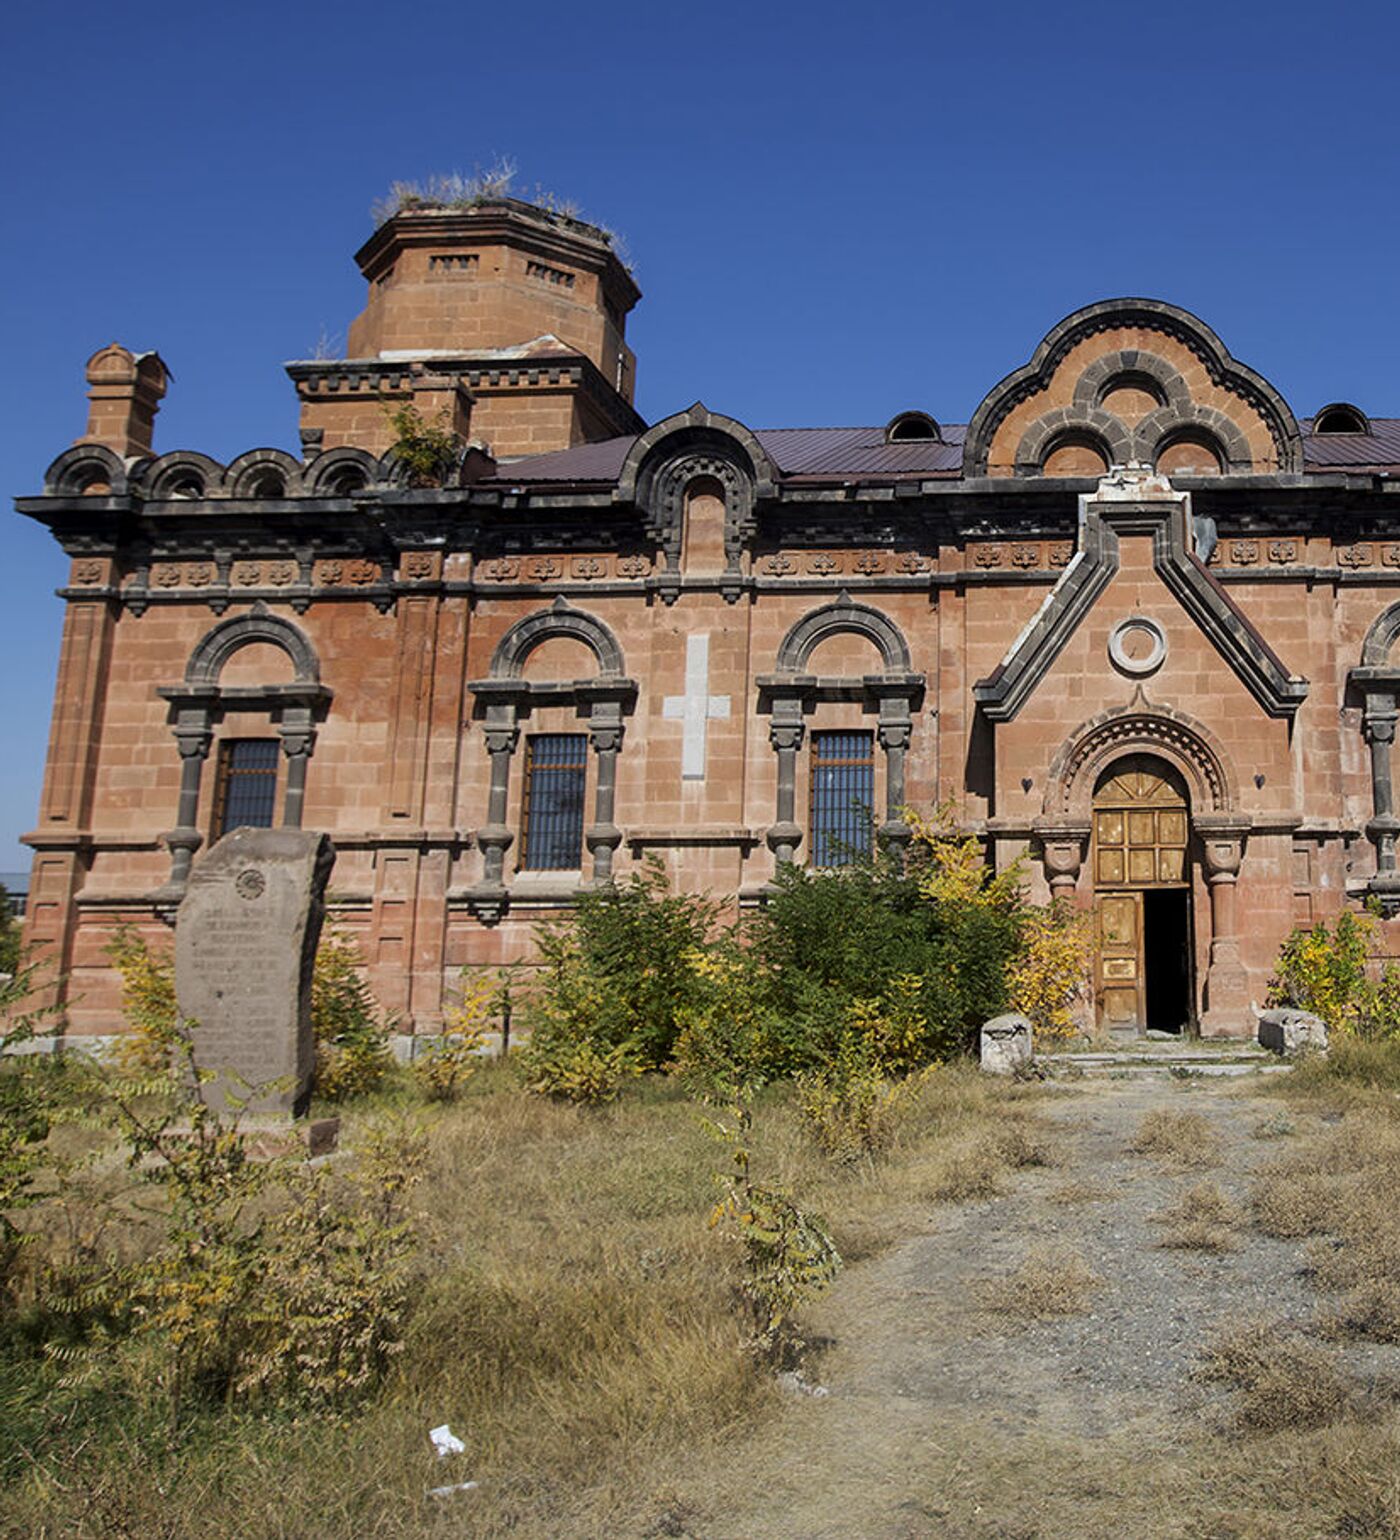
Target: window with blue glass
556, 770
843, 796
245, 792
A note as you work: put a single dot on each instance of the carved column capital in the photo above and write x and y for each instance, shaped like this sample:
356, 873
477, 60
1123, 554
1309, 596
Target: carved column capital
1063, 842
1222, 844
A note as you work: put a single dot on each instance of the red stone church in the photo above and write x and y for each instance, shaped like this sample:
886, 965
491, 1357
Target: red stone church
1136, 617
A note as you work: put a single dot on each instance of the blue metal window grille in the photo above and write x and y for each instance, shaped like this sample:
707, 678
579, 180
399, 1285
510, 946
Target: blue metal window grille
246, 796
843, 795
556, 768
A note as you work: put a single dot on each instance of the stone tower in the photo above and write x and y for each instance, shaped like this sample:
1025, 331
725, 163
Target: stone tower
509, 317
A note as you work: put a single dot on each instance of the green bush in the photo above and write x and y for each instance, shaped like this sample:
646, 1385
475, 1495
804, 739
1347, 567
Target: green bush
623, 970
9, 933
351, 1033
865, 932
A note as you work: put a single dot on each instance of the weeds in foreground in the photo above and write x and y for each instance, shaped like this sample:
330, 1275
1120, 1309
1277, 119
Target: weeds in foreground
1177, 1139
1205, 1218
1284, 1380
449, 1062
789, 1255
1048, 1282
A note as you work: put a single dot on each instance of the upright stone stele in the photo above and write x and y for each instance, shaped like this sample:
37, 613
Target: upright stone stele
1005, 1044
245, 945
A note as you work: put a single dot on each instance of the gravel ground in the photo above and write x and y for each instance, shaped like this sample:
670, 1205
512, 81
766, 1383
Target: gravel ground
921, 1377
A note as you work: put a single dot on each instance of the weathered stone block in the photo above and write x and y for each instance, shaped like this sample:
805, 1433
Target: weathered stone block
1290, 1031
1006, 1044
245, 944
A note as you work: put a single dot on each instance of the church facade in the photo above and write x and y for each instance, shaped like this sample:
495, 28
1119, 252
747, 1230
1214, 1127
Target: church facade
1136, 620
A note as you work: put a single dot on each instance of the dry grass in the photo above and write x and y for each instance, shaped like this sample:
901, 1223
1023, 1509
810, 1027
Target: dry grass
1284, 1380
1048, 1282
1178, 1139
1205, 1218
1078, 1192
575, 1325
1337, 1185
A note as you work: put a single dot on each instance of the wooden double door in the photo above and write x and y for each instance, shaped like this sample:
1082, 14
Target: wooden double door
1143, 897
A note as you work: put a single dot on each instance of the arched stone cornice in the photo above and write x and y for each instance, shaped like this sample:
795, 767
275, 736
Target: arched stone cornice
679, 450
1159, 429
243, 476
1381, 637
843, 616
78, 468
321, 476
165, 474
1102, 429
1154, 315
220, 643
1140, 728
561, 619
684, 431
1131, 365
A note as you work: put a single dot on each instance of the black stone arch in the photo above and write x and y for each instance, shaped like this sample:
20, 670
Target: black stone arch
77, 468
1158, 429
912, 426
1381, 637
1130, 365
561, 619
244, 474
1107, 432
320, 476
679, 450
1357, 420
1153, 315
843, 616
220, 643
160, 478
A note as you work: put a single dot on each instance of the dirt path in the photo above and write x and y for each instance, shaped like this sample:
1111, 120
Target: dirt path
933, 1405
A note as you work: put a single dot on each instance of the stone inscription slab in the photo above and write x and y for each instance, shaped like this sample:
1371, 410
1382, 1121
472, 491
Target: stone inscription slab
245, 944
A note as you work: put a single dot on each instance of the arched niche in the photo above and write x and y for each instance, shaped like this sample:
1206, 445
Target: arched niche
182, 474
263, 473
667, 460
85, 469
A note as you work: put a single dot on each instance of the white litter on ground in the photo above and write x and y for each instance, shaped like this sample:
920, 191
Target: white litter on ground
446, 1442
461, 1486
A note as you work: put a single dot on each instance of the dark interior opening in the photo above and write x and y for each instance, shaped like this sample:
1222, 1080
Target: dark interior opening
1166, 925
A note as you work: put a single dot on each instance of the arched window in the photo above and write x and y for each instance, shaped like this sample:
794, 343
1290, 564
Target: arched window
556, 658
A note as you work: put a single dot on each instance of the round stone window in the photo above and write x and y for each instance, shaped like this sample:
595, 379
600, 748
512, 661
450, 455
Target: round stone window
1137, 645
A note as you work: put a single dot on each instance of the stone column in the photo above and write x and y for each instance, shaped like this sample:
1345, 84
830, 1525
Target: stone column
298, 740
1063, 842
786, 733
895, 731
605, 734
494, 837
193, 736
1227, 981
1379, 727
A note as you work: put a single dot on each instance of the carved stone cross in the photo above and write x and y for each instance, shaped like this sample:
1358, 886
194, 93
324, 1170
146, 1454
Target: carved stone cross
696, 707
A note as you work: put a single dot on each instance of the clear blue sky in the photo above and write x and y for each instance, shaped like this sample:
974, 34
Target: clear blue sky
835, 211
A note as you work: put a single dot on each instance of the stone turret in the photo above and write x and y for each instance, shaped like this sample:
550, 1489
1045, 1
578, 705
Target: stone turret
518, 314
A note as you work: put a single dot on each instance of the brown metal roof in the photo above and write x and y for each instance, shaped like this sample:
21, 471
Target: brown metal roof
841, 453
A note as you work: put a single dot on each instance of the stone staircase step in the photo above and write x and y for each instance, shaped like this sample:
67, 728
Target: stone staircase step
1181, 1062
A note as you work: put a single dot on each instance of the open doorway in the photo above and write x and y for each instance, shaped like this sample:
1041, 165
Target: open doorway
1166, 916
